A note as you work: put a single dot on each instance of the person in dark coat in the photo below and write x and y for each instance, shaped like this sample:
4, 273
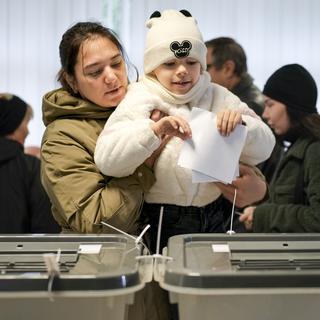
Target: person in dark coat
24, 205
290, 109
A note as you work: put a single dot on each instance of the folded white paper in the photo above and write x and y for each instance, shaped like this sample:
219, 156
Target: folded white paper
208, 152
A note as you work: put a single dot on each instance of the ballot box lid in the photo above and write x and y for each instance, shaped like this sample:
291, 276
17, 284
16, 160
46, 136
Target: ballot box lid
85, 262
243, 261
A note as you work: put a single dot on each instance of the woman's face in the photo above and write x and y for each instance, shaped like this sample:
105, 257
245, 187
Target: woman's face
100, 72
276, 115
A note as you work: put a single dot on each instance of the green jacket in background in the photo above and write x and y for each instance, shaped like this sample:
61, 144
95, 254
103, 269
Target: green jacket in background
286, 210
81, 196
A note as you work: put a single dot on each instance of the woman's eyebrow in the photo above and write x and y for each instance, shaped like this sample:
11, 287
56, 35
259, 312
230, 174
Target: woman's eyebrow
98, 63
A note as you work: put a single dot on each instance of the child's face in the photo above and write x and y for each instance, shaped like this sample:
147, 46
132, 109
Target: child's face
178, 75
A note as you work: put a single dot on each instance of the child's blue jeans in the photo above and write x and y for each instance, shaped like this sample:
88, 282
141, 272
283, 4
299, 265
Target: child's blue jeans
181, 220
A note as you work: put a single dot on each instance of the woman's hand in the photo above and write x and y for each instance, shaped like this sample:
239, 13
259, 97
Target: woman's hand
227, 120
247, 218
250, 187
157, 115
155, 155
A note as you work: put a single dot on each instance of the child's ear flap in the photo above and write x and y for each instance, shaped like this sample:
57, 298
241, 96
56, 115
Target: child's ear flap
155, 14
186, 13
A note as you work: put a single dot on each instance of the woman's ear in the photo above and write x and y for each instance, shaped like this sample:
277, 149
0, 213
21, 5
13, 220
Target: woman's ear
71, 82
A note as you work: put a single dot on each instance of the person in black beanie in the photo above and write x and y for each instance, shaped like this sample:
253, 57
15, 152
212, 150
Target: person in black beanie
290, 109
24, 205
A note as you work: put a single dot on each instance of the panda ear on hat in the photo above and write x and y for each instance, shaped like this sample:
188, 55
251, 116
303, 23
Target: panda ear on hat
186, 13
155, 14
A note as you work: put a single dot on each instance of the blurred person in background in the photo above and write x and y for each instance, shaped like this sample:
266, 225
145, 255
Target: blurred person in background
290, 109
24, 205
227, 66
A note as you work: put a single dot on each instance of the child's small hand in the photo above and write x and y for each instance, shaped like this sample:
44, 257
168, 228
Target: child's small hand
227, 120
172, 126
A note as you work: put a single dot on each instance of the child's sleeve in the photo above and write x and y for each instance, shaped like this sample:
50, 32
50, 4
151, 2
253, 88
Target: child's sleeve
260, 140
127, 139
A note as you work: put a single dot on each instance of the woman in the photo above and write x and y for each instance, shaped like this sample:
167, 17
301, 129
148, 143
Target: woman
290, 109
94, 80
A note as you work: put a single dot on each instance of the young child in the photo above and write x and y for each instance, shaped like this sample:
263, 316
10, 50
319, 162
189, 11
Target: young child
175, 81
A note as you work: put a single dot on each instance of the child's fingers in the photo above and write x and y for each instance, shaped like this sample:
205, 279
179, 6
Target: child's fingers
185, 129
180, 128
224, 122
230, 124
238, 120
231, 119
219, 120
235, 119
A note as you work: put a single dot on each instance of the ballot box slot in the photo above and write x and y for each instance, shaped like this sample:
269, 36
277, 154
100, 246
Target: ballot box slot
32, 261
276, 264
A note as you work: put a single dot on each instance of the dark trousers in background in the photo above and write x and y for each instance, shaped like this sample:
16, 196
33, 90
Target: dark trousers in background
181, 220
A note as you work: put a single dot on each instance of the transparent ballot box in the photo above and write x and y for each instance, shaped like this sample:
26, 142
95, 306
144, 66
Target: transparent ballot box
68, 276
243, 277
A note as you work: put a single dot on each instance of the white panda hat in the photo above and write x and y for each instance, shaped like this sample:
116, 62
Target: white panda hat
173, 34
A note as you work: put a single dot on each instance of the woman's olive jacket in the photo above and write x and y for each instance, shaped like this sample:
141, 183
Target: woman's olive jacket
81, 196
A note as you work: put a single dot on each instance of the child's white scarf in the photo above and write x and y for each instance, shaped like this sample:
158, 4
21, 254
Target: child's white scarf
193, 95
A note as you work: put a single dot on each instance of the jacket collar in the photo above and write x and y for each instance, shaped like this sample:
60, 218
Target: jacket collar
298, 148
243, 85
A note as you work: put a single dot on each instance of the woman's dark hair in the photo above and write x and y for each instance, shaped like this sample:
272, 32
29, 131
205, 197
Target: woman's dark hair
71, 42
303, 125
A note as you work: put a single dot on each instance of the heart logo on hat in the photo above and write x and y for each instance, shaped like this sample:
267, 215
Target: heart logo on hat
181, 50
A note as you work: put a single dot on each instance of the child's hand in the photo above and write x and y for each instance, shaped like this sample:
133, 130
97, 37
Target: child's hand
172, 126
227, 120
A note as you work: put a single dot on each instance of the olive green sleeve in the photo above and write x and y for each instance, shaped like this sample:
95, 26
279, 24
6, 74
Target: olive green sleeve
82, 197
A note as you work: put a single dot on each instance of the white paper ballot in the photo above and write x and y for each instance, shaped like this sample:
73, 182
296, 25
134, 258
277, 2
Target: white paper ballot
198, 177
208, 152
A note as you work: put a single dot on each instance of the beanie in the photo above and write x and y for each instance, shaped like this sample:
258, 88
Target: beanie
293, 86
173, 34
12, 112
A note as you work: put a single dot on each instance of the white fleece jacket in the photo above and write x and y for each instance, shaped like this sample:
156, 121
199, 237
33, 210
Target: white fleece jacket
128, 140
